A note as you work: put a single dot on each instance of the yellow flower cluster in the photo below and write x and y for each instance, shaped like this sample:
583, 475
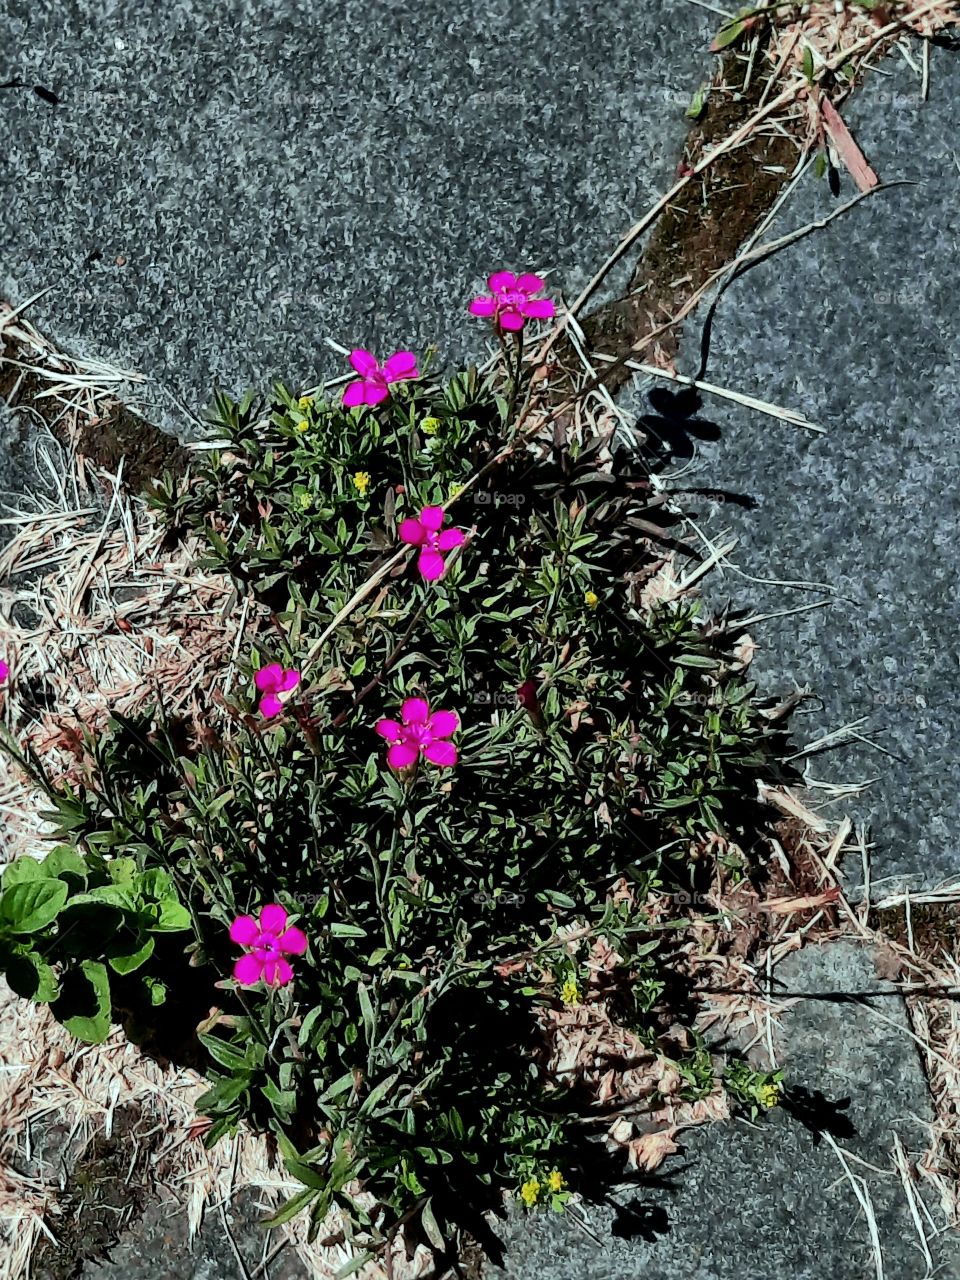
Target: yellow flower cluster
570, 992
304, 404
430, 426
530, 1190
768, 1095
591, 599
361, 482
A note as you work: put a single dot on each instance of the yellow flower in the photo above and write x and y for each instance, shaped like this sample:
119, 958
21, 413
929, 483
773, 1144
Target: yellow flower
530, 1192
591, 599
455, 489
555, 1181
570, 992
430, 426
306, 501
305, 402
768, 1095
361, 482
302, 426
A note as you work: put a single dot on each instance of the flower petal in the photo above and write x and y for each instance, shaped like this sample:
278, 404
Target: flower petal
389, 729
401, 754
412, 531
415, 711
268, 678
270, 706
293, 941
539, 308
353, 395
529, 283
277, 971
441, 753
273, 919
502, 280
401, 365
248, 970
4, 671
365, 363
244, 931
485, 307
432, 518
450, 538
289, 680
374, 390
442, 723
510, 319
430, 564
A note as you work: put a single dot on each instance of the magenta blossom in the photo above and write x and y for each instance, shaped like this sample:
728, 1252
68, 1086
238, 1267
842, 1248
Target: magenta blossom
4, 671
374, 382
426, 533
273, 680
511, 302
420, 734
270, 941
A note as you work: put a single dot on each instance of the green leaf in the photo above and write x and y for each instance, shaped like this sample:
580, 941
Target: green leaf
296, 1204
64, 861
21, 871
31, 977
728, 33
431, 1227
172, 918
157, 990
366, 1010
808, 68
226, 1091
133, 959
31, 906
698, 103
83, 1005
340, 930
227, 1055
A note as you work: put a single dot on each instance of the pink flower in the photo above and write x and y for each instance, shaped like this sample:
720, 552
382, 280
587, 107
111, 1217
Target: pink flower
511, 301
269, 940
4, 671
420, 734
425, 532
374, 382
272, 680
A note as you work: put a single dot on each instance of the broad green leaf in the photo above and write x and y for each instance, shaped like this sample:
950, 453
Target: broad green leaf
134, 959
31, 905
21, 871
31, 977
83, 1005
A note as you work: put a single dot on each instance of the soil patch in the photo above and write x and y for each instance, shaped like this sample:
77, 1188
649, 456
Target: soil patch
106, 1191
703, 228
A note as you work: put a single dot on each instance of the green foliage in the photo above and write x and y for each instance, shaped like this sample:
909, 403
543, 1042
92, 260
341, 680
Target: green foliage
70, 921
445, 909
756, 1090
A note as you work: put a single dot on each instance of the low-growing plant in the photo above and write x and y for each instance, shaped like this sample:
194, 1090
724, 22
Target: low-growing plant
465, 727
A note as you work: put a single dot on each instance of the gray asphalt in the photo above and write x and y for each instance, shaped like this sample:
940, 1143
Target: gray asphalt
214, 198
856, 327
